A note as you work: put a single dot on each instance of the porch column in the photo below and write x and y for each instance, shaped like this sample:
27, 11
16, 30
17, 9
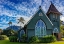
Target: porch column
53, 33
59, 36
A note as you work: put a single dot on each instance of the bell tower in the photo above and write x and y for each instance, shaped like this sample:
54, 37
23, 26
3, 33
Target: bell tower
54, 16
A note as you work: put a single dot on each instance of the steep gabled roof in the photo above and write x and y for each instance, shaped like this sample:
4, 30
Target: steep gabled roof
35, 14
52, 9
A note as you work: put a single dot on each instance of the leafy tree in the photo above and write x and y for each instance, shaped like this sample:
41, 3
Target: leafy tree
61, 22
9, 32
62, 29
1, 31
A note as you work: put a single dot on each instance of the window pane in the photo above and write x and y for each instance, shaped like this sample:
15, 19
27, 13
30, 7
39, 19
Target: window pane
53, 16
55, 30
40, 29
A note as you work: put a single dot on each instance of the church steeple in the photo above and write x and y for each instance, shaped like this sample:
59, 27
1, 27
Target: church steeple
54, 15
40, 7
52, 9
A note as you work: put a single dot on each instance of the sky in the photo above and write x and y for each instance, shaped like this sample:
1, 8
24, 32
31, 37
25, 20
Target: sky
11, 10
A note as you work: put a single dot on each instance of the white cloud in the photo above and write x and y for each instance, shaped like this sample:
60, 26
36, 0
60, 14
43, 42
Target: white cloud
39, 2
4, 26
62, 18
27, 10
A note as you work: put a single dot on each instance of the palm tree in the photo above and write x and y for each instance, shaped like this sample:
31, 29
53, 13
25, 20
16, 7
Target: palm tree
10, 23
21, 20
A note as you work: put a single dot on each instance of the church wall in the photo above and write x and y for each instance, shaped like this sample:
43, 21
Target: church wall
31, 32
49, 31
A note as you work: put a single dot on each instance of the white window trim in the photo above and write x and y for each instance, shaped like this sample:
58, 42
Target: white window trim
41, 35
55, 30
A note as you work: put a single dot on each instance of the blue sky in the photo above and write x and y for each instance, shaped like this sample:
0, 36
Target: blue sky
11, 10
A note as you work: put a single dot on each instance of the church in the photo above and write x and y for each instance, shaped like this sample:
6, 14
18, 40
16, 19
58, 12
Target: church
42, 24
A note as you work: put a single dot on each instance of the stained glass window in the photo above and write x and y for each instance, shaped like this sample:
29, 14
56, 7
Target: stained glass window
40, 29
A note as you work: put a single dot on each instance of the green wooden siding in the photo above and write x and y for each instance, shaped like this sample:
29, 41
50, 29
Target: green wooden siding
32, 23
56, 22
31, 32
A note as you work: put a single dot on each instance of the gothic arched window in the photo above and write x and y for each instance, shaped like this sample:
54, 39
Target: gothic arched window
40, 29
55, 30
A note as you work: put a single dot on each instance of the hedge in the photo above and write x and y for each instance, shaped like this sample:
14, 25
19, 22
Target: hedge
48, 39
13, 39
33, 39
3, 37
44, 39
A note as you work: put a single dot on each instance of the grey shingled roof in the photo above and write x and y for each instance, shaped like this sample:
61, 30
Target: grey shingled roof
52, 9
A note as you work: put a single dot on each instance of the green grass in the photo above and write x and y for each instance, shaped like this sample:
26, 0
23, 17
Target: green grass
8, 42
58, 42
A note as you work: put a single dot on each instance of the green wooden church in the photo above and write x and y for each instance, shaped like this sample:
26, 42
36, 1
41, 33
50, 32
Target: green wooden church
42, 24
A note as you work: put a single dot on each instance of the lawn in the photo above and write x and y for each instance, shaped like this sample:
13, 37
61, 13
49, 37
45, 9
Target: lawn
8, 42
58, 42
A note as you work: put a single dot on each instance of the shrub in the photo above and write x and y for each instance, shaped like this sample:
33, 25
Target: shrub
33, 39
3, 37
10, 32
23, 37
48, 39
13, 39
